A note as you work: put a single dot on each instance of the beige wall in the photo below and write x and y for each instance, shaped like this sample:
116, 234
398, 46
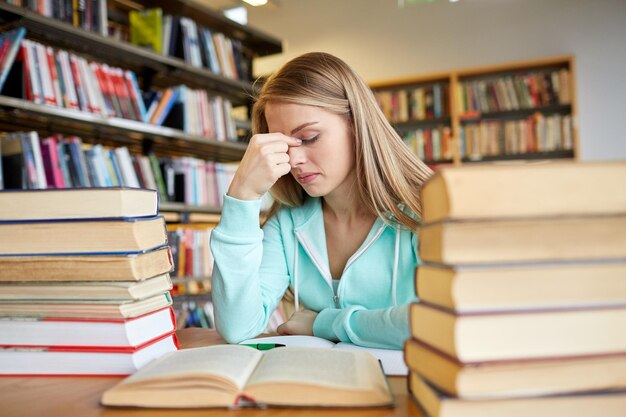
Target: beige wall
382, 41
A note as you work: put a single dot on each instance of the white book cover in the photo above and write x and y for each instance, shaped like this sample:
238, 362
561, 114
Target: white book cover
36, 88
129, 177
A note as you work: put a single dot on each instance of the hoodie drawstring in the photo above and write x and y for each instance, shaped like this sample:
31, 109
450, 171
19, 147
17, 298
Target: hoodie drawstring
394, 276
296, 294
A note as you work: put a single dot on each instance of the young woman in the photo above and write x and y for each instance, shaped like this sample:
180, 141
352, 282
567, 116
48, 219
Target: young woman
341, 231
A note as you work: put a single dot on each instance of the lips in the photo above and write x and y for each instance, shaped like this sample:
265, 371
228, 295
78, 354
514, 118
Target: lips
307, 177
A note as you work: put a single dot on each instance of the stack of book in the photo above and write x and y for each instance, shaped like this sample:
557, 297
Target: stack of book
522, 292
84, 282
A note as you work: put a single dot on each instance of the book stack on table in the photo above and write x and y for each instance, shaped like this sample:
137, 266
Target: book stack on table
522, 292
84, 282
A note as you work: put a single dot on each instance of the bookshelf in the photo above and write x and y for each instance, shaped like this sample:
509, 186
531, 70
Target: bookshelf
514, 111
154, 71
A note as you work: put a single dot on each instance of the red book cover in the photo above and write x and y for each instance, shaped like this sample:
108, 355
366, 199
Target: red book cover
52, 163
72, 361
88, 334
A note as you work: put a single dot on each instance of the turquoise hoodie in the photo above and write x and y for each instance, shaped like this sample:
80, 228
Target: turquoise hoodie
254, 267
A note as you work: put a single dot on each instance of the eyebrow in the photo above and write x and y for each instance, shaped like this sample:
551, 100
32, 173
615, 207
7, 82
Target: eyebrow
302, 126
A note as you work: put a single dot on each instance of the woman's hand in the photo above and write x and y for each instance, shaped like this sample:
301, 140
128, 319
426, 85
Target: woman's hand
265, 161
301, 322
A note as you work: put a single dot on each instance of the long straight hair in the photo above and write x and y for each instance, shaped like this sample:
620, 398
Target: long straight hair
388, 175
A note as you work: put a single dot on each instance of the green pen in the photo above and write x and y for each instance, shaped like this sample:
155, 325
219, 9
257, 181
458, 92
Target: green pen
264, 346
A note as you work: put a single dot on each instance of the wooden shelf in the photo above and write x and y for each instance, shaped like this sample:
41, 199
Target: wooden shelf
18, 112
517, 114
458, 122
166, 71
425, 123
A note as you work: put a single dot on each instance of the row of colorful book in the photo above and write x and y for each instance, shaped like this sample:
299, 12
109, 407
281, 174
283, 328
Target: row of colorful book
537, 133
415, 103
184, 38
28, 162
430, 144
514, 92
84, 282
89, 15
522, 292
58, 78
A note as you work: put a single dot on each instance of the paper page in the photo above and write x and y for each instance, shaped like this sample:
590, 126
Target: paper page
391, 359
292, 341
231, 362
327, 367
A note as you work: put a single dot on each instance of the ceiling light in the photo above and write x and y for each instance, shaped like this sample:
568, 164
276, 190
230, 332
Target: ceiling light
256, 2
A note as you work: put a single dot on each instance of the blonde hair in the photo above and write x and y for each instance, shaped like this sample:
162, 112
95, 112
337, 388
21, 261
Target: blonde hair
388, 175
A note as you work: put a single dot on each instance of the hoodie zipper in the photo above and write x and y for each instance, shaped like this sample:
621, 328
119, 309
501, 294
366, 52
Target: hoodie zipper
312, 254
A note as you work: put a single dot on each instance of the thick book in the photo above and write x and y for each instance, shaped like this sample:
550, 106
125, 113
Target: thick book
94, 267
510, 335
233, 376
392, 360
522, 286
538, 190
82, 236
77, 203
437, 404
85, 333
69, 361
522, 240
509, 379
85, 290
109, 309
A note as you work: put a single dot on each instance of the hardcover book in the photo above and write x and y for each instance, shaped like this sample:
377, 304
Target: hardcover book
69, 361
437, 404
77, 203
522, 286
540, 190
86, 333
95, 267
85, 290
512, 335
72, 237
234, 376
521, 378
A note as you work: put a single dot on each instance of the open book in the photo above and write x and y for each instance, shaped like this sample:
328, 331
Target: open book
235, 376
392, 360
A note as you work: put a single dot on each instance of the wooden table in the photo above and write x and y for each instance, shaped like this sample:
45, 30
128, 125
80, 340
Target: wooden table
80, 396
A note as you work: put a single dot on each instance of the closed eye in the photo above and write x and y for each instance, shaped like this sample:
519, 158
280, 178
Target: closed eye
310, 141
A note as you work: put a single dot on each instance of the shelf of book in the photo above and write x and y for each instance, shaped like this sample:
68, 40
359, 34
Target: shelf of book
164, 70
514, 111
261, 43
21, 113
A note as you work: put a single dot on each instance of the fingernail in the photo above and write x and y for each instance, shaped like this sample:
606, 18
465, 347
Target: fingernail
299, 141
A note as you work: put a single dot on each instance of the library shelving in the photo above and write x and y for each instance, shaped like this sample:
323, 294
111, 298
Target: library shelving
514, 111
153, 70
143, 146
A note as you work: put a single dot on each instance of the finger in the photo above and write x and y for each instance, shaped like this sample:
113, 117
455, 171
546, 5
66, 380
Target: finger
278, 158
267, 138
282, 329
282, 169
274, 147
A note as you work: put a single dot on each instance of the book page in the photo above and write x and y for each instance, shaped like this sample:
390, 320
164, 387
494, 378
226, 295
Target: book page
313, 366
391, 359
231, 362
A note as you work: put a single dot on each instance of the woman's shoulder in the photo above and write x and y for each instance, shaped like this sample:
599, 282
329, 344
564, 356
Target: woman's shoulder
297, 215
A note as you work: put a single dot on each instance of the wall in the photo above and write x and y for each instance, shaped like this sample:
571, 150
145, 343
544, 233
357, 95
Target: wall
382, 41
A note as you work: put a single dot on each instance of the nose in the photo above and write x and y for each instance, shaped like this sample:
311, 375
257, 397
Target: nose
297, 156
